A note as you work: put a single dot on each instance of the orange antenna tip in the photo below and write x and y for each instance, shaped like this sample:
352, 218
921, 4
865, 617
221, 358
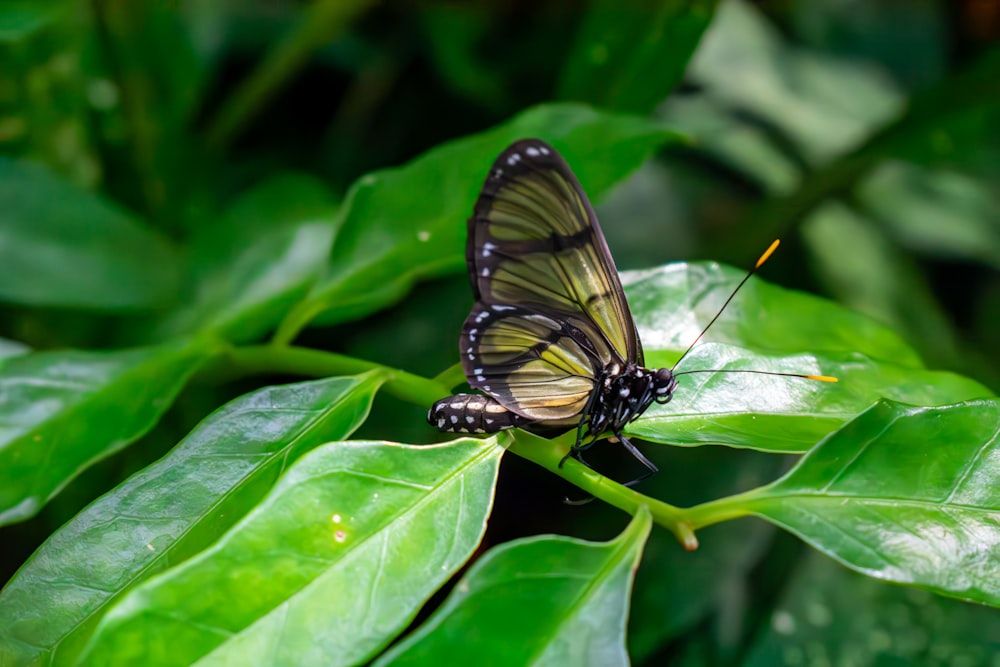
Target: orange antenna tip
767, 253
822, 378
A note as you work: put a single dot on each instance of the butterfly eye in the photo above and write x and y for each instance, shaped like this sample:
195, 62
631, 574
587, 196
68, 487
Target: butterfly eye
664, 382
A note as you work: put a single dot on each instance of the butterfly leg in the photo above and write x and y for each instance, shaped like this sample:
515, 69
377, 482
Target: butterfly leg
651, 468
576, 454
575, 450
577, 447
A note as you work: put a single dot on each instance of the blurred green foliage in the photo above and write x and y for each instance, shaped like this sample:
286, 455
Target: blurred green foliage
180, 180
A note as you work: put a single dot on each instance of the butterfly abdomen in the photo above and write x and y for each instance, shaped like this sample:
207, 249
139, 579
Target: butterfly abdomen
473, 413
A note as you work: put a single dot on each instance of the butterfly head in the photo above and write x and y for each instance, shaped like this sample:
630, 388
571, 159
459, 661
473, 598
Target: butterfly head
664, 383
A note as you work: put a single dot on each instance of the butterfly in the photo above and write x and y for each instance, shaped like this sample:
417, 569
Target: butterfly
550, 341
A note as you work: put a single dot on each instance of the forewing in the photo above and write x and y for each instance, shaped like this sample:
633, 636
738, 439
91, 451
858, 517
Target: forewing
534, 242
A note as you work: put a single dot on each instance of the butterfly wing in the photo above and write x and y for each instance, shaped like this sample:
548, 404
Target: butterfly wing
550, 312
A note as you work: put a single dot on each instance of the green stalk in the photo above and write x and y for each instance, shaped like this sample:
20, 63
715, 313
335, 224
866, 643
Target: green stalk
721, 509
550, 453
258, 359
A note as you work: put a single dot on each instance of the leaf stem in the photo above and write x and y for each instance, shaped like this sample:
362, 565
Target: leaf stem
548, 453
451, 376
722, 509
257, 359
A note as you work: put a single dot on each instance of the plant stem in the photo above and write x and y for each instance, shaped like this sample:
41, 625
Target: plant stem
256, 359
549, 453
451, 376
722, 509
322, 21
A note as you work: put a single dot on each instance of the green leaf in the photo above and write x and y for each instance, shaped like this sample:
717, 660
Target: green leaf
733, 140
940, 213
335, 562
768, 328
252, 267
20, 18
542, 600
904, 494
630, 58
823, 104
869, 273
401, 225
831, 615
676, 590
169, 511
60, 412
80, 251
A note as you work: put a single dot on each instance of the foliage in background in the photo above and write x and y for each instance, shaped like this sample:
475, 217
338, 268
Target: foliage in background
202, 203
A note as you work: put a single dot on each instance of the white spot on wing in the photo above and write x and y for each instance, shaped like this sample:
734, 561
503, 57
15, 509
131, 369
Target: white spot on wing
454, 419
532, 151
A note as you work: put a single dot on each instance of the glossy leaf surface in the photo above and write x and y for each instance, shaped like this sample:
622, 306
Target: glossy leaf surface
902, 493
80, 250
539, 601
768, 328
326, 570
168, 512
399, 225
12, 348
62, 411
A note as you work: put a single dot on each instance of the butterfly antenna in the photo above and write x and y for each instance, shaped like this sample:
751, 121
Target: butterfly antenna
820, 378
760, 262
